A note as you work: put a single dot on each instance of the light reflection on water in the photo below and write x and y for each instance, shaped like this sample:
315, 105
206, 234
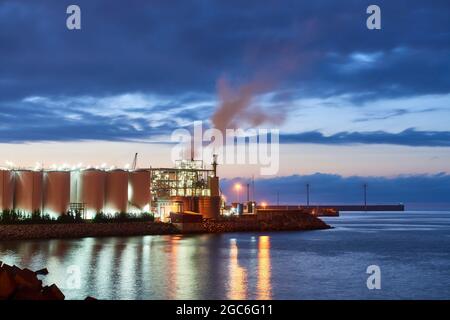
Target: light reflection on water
264, 286
414, 259
238, 275
149, 267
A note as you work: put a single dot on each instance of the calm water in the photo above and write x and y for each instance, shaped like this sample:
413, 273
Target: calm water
412, 249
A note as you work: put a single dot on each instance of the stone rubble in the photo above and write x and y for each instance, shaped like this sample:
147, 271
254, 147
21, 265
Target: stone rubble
23, 284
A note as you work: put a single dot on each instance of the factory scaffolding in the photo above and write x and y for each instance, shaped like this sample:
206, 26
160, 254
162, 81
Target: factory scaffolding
169, 186
185, 180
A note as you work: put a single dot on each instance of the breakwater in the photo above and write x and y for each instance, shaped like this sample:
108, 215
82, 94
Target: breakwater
322, 209
372, 207
82, 230
273, 222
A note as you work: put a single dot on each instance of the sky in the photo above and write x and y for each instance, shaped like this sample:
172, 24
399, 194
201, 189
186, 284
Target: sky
351, 104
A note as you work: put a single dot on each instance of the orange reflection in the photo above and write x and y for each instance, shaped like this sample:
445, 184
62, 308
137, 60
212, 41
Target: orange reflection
238, 276
171, 268
264, 286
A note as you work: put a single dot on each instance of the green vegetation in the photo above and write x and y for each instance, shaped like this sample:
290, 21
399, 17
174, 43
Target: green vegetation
123, 217
19, 217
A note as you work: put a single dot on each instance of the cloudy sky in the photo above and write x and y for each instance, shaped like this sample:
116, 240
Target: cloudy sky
350, 103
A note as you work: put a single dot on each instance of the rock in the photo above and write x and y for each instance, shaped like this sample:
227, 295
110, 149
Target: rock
43, 272
23, 284
28, 294
25, 278
53, 293
8, 268
7, 285
89, 298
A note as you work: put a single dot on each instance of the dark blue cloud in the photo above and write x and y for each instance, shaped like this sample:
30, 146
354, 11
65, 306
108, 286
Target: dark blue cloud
409, 137
186, 45
30, 122
417, 192
394, 113
181, 48
67, 120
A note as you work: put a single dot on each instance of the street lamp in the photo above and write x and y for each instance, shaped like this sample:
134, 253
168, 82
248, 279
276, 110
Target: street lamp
238, 188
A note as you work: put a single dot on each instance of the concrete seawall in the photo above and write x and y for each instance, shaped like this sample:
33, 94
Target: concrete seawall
275, 222
82, 230
341, 207
114, 229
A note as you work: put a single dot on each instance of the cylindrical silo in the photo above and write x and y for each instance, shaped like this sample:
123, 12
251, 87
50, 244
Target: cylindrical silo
28, 191
75, 186
186, 202
93, 191
139, 189
56, 192
6, 190
213, 183
116, 191
209, 207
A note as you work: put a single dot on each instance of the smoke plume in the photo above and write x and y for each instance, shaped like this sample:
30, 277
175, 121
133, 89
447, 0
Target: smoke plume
238, 106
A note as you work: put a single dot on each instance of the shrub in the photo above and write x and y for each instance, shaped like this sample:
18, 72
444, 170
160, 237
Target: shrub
147, 216
102, 217
70, 217
18, 217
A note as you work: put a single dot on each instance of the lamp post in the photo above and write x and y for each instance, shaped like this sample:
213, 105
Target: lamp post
365, 196
238, 188
307, 195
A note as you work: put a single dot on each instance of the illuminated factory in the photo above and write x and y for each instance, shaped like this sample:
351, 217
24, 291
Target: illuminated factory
188, 187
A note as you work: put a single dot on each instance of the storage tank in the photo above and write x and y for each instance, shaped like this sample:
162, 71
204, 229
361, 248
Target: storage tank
116, 191
75, 186
209, 207
139, 189
186, 202
93, 191
213, 183
56, 192
6, 190
28, 191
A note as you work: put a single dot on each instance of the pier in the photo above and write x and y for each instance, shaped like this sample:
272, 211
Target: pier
342, 207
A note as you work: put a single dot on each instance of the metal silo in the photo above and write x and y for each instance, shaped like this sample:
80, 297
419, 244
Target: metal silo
209, 207
186, 202
116, 191
6, 190
139, 189
93, 191
28, 191
75, 186
56, 192
213, 183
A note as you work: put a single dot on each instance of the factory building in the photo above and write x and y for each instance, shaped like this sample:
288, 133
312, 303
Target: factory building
188, 187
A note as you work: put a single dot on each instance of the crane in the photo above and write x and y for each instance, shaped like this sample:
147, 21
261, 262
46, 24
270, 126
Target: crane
133, 166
